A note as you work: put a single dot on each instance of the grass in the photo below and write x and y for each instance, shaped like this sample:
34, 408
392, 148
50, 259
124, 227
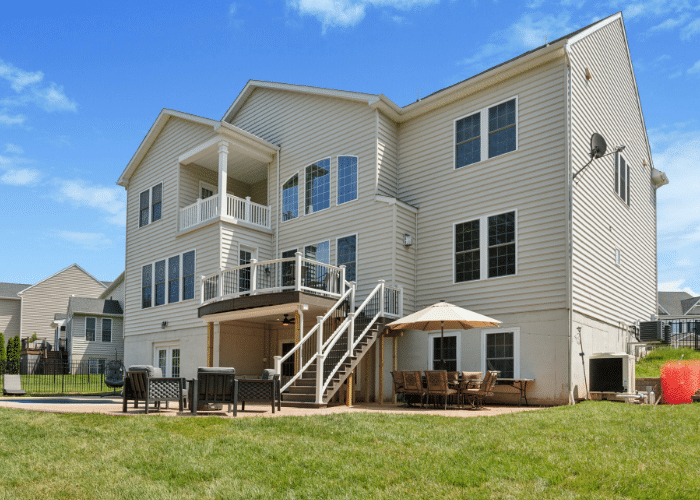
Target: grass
591, 450
37, 385
650, 365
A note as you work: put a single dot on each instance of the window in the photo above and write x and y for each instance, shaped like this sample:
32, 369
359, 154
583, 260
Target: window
450, 345
174, 279
319, 252
314, 275
502, 245
160, 281
347, 179
106, 330
167, 358
244, 257
318, 186
347, 255
206, 190
622, 178
500, 121
618, 257
493, 249
150, 205
96, 366
288, 268
90, 329
501, 352
290, 198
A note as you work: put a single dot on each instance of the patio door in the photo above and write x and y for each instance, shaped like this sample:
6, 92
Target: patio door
245, 255
167, 358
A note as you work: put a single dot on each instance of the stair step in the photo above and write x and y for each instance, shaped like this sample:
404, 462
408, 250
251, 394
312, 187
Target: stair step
302, 389
298, 397
302, 404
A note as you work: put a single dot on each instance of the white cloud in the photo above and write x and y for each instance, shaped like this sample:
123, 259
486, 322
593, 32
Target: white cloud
87, 241
675, 286
110, 200
21, 177
691, 30
346, 13
694, 69
30, 89
236, 22
13, 148
669, 23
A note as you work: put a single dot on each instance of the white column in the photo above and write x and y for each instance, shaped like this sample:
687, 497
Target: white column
223, 176
217, 342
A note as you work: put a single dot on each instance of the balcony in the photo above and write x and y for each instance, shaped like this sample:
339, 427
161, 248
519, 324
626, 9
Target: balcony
280, 275
239, 209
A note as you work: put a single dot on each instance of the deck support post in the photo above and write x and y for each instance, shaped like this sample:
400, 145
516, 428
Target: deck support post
223, 176
348, 396
380, 398
393, 358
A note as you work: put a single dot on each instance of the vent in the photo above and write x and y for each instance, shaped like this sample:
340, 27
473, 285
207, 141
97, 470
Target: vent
650, 331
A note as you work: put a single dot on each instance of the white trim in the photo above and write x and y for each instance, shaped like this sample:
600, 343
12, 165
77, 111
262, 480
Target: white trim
168, 347
113, 286
594, 28
483, 247
432, 336
516, 347
56, 274
391, 201
618, 178
150, 205
484, 132
181, 286
337, 180
85, 328
111, 330
330, 181
357, 254
618, 257
210, 187
300, 212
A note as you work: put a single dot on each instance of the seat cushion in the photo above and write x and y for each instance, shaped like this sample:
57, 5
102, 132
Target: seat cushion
216, 369
150, 369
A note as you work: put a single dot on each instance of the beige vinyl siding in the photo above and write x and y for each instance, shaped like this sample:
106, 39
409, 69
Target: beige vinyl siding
387, 156
10, 311
82, 349
310, 128
43, 300
191, 175
602, 222
159, 240
531, 181
116, 294
233, 237
405, 257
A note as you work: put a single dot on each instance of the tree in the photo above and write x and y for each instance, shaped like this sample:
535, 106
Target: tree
3, 352
14, 348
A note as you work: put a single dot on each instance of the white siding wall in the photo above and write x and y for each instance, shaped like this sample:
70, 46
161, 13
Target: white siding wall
531, 180
10, 311
42, 301
387, 156
83, 349
602, 222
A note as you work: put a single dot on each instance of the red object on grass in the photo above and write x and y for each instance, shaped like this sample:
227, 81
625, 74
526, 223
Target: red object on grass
680, 380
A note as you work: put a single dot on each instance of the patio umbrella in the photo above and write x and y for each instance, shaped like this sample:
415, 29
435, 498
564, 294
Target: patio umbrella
443, 315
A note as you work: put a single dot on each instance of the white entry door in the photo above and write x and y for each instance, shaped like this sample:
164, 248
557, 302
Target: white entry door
167, 358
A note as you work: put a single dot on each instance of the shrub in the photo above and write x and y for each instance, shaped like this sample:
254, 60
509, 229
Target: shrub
3, 352
14, 348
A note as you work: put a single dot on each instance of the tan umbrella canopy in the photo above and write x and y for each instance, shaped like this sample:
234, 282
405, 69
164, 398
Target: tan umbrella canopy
443, 315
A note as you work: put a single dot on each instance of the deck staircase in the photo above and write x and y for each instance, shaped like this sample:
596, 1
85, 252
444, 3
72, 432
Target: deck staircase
339, 352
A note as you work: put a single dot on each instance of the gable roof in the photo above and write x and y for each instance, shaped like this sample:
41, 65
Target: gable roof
113, 286
59, 272
10, 290
83, 305
688, 304
672, 302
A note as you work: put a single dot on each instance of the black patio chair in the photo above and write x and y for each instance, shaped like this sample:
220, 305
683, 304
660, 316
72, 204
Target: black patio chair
114, 377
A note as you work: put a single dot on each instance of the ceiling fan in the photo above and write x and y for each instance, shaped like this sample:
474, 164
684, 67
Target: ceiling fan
286, 321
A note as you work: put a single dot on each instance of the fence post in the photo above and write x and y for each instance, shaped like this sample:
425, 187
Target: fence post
341, 286
351, 333
278, 365
381, 298
253, 276
297, 271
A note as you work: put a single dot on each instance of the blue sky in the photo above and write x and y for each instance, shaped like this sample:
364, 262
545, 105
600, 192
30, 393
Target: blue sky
82, 82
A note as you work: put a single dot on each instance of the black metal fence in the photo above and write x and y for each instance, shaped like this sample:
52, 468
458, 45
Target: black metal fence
682, 333
55, 376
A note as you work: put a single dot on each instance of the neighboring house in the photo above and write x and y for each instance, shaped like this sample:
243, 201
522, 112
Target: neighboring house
466, 195
10, 308
680, 311
41, 301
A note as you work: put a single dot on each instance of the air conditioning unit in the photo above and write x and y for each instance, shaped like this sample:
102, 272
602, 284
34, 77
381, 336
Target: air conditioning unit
612, 372
651, 331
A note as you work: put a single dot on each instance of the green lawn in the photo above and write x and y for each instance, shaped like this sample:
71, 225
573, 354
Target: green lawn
63, 384
650, 365
591, 450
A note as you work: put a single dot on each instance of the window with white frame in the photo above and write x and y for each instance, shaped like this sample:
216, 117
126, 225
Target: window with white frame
167, 358
151, 205
487, 133
318, 186
206, 190
618, 257
501, 351
168, 281
347, 179
346, 254
290, 198
622, 178
97, 366
90, 329
444, 352
106, 330
288, 268
315, 275
493, 249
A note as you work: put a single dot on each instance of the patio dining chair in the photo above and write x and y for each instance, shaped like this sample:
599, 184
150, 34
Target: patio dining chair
413, 385
469, 380
475, 397
266, 388
438, 385
398, 382
216, 385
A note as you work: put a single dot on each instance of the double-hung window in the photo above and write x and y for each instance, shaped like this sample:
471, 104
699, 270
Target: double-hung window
347, 255
501, 352
318, 186
90, 329
151, 205
168, 281
347, 179
443, 351
290, 198
487, 133
106, 330
622, 178
487, 243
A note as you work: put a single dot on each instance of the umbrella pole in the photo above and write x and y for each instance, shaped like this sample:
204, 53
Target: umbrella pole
442, 345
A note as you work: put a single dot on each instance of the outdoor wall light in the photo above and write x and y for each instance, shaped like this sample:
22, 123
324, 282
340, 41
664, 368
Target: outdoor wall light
164, 324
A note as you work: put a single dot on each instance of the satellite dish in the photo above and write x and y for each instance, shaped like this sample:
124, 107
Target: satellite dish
598, 146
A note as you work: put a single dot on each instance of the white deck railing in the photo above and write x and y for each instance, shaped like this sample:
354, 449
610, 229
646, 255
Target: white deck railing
238, 208
270, 276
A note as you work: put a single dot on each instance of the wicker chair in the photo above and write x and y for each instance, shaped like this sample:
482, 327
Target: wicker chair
216, 386
398, 382
144, 382
413, 385
114, 377
438, 385
266, 388
469, 380
475, 397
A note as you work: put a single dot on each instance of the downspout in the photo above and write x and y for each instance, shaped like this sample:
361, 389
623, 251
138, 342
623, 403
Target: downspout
279, 209
569, 232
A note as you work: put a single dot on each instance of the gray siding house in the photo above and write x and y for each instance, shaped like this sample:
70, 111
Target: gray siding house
289, 232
